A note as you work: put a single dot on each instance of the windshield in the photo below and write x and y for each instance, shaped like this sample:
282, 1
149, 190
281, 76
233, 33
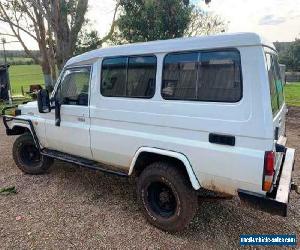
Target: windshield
275, 81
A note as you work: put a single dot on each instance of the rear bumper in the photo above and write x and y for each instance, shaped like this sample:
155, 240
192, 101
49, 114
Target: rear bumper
279, 204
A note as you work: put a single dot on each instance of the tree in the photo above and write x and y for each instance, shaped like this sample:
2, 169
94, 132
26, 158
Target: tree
291, 56
89, 40
24, 19
54, 25
295, 55
148, 20
205, 23
65, 19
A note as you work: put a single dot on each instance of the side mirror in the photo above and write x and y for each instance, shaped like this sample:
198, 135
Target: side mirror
43, 101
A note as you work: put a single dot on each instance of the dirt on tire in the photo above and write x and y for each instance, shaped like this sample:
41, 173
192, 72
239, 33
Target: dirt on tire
31, 167
184, 195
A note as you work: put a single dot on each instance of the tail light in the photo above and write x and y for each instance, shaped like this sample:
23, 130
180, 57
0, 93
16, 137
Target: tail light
268, 170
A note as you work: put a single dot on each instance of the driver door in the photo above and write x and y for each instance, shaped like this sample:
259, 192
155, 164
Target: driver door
73, 134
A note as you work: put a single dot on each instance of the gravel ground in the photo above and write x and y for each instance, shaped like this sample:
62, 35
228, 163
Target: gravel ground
72, 207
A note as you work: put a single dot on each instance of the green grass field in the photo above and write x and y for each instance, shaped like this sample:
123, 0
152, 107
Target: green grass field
292, 94
24, 75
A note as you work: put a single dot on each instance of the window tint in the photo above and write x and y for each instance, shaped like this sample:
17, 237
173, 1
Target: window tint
279, 81
114, 77
203, 76
275, 82
220, 77
74, 87
180, 76
129, 77
141, 76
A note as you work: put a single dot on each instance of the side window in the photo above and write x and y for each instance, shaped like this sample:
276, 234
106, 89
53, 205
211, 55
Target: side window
220, 77
114, 77
132, 77
74, 86
273, 92
203, 76
180, 76
275, 82
141, 76
279, 81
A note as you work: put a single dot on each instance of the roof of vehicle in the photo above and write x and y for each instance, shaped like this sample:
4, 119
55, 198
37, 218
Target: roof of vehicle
178, 44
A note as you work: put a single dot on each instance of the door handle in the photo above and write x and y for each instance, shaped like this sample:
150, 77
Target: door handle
81, 119
222, 139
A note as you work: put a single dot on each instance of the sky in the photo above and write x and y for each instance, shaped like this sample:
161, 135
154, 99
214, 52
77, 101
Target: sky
276, 20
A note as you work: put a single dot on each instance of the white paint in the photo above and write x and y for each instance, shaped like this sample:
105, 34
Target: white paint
118, 129
169, 153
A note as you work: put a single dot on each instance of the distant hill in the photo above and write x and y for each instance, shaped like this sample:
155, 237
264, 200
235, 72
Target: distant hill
18, 53
17, 57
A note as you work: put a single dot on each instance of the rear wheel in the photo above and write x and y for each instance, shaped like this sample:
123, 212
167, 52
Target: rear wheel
27, 156
166, 196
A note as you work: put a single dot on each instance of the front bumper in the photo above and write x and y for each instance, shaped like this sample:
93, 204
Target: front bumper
278, 204
17, 131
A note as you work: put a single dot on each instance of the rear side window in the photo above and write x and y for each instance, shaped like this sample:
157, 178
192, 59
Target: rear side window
275, 82
203, 76
114, 73
132, 76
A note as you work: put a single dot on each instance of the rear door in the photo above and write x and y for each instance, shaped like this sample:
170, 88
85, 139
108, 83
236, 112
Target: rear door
277, 95
277, 101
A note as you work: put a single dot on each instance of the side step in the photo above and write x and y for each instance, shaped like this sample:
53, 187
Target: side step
82, 162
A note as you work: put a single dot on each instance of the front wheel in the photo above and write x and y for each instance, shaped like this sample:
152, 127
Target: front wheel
28, 157
166, 196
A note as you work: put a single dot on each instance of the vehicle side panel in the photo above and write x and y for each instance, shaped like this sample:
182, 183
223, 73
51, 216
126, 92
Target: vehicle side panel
120, 126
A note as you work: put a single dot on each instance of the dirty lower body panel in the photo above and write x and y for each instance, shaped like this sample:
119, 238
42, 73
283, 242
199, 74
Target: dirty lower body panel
279, 204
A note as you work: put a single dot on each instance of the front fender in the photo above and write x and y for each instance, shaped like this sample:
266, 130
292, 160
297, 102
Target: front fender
11, 124
193, 179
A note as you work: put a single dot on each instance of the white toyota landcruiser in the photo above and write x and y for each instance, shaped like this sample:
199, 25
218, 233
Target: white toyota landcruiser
179, 115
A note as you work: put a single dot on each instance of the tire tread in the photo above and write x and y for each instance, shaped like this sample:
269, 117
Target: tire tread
180, 180
46, 161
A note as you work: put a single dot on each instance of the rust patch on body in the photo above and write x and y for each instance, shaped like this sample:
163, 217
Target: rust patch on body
223, 190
